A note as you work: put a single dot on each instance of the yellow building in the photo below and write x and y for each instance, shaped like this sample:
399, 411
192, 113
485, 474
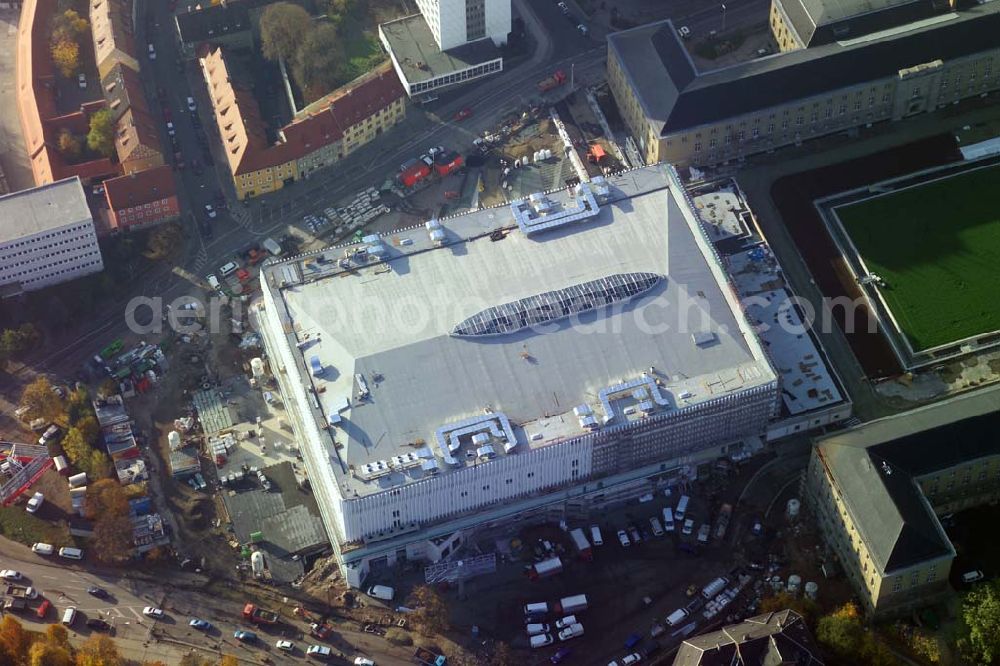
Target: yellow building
681, 114
877, 490
322, 134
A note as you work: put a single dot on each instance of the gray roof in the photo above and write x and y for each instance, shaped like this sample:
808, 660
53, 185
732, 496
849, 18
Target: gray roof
772, 639
213, 21
418, 56
43, 208
287, 517
422, 377
823, 21
677, 97
876, 467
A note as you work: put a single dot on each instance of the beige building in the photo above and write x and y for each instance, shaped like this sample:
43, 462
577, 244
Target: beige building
687, 116
320, 135
799, 24
877, 491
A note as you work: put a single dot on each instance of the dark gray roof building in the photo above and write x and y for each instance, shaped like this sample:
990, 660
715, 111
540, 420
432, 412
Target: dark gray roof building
772, 639
818, 22
676, 96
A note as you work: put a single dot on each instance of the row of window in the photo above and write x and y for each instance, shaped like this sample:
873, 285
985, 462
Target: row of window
464, 75
54, 234
37, 254
50, 274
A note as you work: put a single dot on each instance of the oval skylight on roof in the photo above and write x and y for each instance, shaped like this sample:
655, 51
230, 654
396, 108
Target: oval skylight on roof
552, 305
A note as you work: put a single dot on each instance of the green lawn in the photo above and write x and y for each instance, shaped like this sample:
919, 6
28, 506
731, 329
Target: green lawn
19, 525
363, 51
937, 247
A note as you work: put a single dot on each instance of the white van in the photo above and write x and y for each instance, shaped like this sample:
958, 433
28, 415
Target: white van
71, 553
677, 616
383, 592
536, 628
69, 616
541, 640
537, 610
668, 519
682, 506
595, 535
213, 281
42, 548
228, 268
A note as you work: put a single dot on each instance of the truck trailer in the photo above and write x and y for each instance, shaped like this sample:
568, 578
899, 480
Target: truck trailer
581, 543
546, 568
573, 604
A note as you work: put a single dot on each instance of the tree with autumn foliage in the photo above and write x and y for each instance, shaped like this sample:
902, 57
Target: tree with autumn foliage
66, 57
107, 506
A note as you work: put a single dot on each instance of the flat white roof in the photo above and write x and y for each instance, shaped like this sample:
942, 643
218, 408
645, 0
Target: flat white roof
386, 327
39, 209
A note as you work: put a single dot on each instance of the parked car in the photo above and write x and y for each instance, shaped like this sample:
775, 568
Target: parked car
98, 624
35, 503
623, 538
633, 532
98, 592
972, 576
688, 526
563, 8
171, 131
319, 652
82, 80
152, 51
633, 658
210, 211
153, 612
245, 636
463, 114
199, 624
684, 32
10, 574
561, 654
285, 646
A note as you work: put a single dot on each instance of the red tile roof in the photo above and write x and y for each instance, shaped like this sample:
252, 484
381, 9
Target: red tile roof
140, 188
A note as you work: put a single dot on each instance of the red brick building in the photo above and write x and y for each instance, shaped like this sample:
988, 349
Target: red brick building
141, 198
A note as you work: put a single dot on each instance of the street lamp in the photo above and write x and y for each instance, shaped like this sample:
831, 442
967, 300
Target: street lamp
723, 17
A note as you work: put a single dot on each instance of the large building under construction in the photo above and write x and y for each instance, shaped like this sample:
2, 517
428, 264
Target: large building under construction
566, 351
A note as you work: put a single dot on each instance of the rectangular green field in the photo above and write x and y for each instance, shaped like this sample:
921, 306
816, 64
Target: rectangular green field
937, 247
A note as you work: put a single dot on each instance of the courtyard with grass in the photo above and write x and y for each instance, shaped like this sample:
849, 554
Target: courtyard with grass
936, 246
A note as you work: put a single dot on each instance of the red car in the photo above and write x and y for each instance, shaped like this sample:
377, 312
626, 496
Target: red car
464, 113
43, 608
242, 274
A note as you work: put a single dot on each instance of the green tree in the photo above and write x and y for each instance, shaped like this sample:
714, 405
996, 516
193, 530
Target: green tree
78, 406
66, 57
89, 429
69, 145
319, 62
41, 400
101, 137
980, 630
282, 26
841, 630
69, 26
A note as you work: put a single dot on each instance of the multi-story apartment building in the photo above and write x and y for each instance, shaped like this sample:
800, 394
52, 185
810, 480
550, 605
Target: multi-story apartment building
877, 491
47, 237
569, 374
141, 198
688, 116
322, 134
114, 39
776, 639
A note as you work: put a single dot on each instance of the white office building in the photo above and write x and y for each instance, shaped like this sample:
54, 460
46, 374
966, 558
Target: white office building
562, 353
47, 236
457, 22
448, 43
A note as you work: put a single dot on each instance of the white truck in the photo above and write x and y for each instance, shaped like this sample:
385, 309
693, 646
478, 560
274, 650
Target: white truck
271, 246
573, 604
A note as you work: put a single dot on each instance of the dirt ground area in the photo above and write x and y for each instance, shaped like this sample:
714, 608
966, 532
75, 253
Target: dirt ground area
794, 196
